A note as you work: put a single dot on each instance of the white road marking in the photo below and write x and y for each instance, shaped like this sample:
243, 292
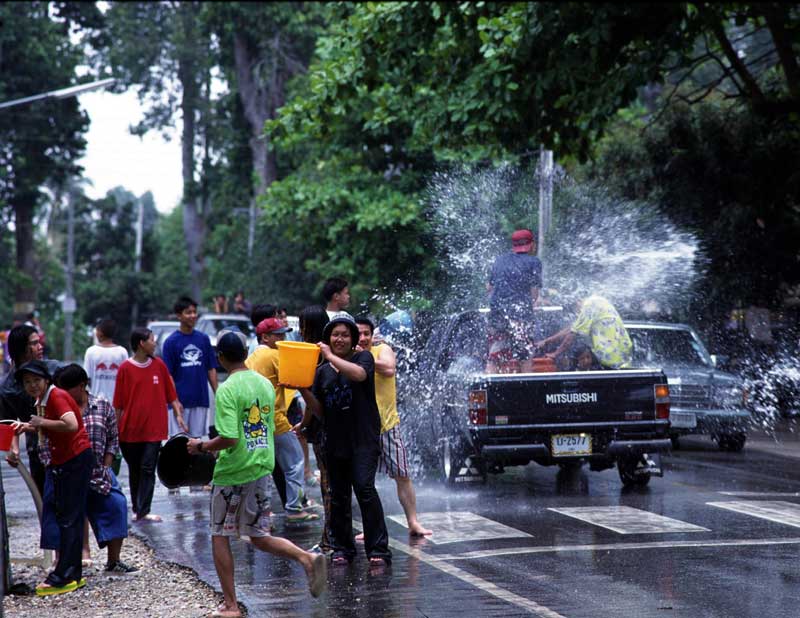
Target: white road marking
773, 510
513, 551
459, 526
627, 520
481, 584
756, 494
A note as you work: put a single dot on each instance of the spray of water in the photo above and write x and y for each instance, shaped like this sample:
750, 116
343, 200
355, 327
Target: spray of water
598, 244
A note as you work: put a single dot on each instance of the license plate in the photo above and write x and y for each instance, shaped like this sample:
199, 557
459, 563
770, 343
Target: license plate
687, 420
571, 444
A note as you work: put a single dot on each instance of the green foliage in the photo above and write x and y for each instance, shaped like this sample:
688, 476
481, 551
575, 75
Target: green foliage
728, 176
351, 222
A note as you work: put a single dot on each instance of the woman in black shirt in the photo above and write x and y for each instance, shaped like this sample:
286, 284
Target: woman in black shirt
343, 396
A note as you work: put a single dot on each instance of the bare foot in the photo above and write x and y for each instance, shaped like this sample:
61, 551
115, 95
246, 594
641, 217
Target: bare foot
360, 537
224, 611
149, 517
417, 530
317, 572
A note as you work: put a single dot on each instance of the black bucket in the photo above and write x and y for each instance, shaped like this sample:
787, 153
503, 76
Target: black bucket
177, 468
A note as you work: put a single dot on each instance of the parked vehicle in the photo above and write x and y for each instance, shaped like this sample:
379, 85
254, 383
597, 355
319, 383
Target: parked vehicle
474, 422
161, 330
703, 399
212, 323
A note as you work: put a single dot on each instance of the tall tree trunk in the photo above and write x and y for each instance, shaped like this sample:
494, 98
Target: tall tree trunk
25, 289
259, 106
194, 228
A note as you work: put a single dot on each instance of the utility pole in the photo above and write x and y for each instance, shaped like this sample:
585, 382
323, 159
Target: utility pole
68, 304
545, 201
137, 267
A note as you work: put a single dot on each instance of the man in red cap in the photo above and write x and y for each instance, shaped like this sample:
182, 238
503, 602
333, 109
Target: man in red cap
514, 284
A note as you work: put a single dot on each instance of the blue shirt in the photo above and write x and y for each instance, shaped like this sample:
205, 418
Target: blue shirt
189, 358
512, 277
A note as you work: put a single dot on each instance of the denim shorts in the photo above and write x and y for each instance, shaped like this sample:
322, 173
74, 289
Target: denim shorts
108, 515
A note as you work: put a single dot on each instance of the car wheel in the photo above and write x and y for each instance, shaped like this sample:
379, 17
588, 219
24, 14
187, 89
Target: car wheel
628, 476
732, 442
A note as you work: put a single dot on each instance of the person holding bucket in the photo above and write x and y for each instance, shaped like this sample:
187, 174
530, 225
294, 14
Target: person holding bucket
343, 395
244, 418
106, 507
70, 468
288, 452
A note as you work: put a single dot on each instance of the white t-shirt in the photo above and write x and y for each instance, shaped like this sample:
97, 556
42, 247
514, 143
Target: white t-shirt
102, 364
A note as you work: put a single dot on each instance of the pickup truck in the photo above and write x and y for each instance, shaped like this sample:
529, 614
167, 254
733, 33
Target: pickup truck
473, 422
704, 400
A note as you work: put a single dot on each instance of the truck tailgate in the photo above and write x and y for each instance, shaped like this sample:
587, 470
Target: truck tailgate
574, 397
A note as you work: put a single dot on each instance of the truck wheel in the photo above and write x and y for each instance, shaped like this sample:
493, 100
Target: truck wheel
732, 442
628, 476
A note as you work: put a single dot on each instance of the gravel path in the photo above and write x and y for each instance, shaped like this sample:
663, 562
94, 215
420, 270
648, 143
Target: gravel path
158, 589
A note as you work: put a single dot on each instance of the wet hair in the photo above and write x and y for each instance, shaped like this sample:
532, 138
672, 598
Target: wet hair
182, 304
366, 322
261, 313
138, 335
70, 376
18, 342
332, 286
312, 322
107, 327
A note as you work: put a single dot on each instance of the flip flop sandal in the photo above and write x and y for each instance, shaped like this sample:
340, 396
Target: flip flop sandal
81, 583
46, 590
302, 518
376, 561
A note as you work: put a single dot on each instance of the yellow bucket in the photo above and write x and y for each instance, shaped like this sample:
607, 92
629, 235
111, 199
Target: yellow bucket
297, 363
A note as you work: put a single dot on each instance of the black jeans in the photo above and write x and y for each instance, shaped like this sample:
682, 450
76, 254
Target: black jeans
356, 474
71, 487
141, 458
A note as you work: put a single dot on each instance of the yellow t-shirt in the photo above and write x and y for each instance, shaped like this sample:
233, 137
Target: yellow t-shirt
264, 360
385, 395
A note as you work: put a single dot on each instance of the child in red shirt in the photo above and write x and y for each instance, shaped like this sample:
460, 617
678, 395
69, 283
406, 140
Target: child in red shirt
70, 453
142, 391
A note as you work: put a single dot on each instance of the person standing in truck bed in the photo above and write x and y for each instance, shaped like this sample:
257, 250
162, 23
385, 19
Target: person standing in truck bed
514, 283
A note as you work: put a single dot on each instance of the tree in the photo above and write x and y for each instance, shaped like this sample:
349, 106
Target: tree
489, 79
41, 141
163, 48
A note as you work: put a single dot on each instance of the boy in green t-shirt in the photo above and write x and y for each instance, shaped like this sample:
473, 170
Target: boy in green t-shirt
245, 421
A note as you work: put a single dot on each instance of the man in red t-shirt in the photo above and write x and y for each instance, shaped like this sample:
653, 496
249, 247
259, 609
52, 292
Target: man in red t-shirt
70, 464
142, 391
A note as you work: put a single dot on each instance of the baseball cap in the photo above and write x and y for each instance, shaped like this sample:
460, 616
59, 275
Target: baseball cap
36, 367
232, 345
271, 325
521, 241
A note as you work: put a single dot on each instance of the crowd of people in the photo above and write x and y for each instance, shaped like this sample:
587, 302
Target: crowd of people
79, 422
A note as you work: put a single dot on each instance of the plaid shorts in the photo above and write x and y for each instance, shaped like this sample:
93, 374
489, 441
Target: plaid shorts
241, 510
393, 459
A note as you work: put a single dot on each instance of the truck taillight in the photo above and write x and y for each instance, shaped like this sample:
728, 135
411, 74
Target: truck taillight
477, 408
662, 400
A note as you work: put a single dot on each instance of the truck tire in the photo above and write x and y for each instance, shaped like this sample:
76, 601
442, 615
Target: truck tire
732, 442
628, 476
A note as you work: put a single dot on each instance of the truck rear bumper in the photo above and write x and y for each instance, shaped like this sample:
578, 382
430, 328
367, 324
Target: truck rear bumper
615, 448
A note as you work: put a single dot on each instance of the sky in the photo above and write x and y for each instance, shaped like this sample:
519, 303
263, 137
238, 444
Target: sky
114, 157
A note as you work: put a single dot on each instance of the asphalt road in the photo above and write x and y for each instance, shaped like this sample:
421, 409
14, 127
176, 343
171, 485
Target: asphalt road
719, 535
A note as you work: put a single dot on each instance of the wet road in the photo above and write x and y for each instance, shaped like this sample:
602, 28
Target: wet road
719, 535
